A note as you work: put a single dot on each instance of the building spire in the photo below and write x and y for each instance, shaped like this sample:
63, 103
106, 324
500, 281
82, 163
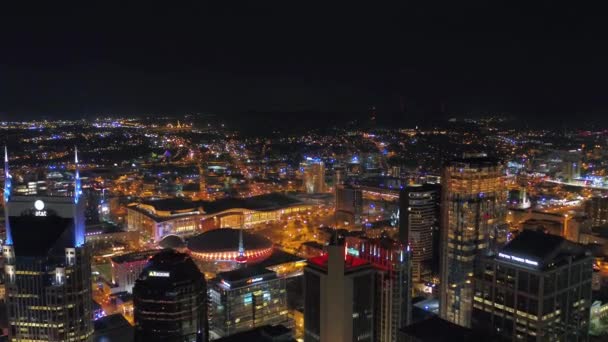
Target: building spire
78, 216
241, 258
77, 185
7, 196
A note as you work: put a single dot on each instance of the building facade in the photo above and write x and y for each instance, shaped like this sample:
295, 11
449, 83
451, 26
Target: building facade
338, 298
247, 298
349, 204
538, 288
418, 223
473, 205
126, 269
47, 267
155, 219
393, 285
596, 209
170, 300
313, 177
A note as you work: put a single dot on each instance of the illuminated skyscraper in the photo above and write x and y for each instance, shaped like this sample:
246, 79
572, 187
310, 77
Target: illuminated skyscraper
392, 288
349, 203
170, 300
571, 166
7, 196
47, 268
418, 221
338, 298
596, 209
474, 198
537, 288
313, 176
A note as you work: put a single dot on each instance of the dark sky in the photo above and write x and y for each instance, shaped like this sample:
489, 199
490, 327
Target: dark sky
543, 60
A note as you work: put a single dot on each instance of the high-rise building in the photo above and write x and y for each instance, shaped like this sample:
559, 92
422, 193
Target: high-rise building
392, 288
349, 204
338, 298
313, 176
473, 206
339, 175
47, 267
170, 300
538, 288
571, 166
596, 209
247, 298
418, 223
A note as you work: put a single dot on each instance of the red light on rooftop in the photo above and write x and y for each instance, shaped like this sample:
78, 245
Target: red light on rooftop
349, 261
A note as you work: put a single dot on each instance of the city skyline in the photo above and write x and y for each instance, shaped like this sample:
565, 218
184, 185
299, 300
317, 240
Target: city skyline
211, 172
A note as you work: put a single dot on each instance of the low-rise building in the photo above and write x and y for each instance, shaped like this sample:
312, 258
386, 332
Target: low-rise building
127, 267
247, 298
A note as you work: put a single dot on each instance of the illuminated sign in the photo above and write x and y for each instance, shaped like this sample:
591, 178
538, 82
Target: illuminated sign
518, 259
39, 206
254, 280
225, 283
352, 251
159, 274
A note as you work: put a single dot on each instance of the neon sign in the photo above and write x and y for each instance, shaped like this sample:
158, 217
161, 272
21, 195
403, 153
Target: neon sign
39, 206
254, 280
518, 259
159, 274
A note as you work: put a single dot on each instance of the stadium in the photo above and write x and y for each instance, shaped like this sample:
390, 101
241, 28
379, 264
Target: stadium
222, 245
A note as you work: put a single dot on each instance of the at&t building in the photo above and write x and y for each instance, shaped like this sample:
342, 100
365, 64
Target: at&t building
47, 267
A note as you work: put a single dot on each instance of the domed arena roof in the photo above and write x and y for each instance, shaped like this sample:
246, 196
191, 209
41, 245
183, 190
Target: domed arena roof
223, 245
172, 241
226, 239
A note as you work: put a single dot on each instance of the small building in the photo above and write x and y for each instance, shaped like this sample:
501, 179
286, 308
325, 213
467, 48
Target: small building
245, 299
127, 267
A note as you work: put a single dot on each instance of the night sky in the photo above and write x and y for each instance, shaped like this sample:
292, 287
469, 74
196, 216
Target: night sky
411, 61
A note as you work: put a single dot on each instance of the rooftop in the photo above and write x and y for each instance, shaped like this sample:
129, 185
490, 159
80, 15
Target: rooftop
245, 274
135, 256
351, 263
267, 333
114, 328
279, 257
436, 329
171, 204
260, 203
475, 161
226, 239
536, 248
167, 268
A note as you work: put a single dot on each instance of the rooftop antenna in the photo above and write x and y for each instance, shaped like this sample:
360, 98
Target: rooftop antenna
7, 196
241, 258
78, 218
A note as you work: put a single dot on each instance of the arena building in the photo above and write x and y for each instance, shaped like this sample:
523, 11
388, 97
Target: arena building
222, 245
157, 218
